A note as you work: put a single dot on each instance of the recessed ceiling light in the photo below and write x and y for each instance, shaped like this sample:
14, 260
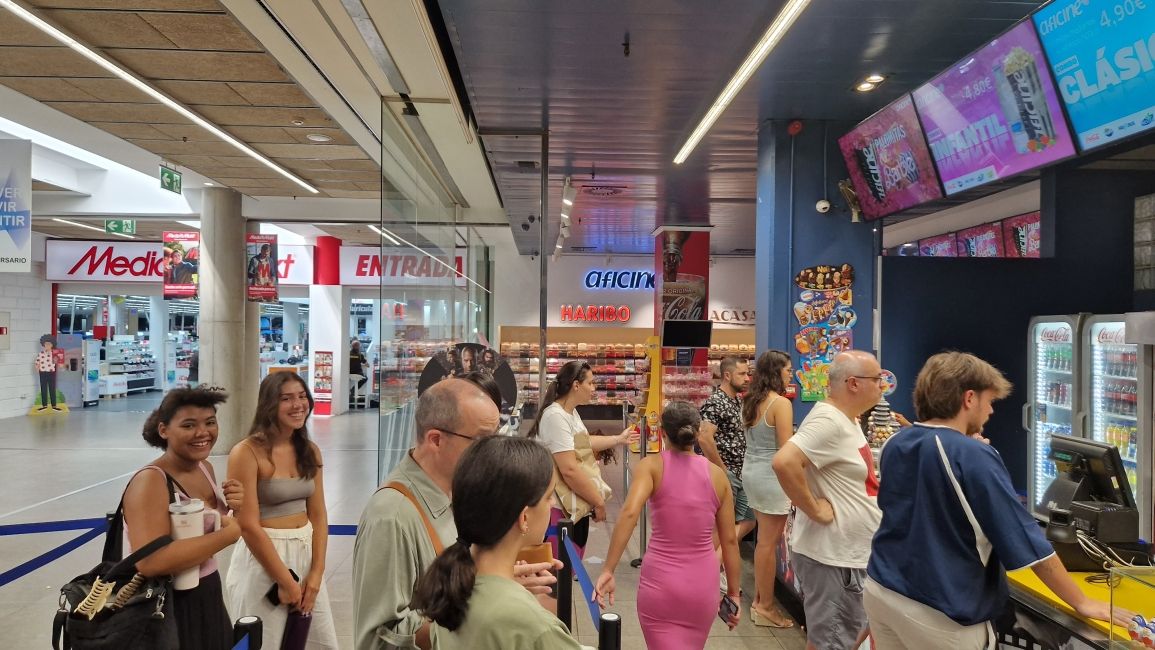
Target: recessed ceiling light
209, 184
297, 122
865, 86
875, 78
319, 137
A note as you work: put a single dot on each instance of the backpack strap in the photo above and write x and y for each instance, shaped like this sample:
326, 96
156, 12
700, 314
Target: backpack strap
408, 494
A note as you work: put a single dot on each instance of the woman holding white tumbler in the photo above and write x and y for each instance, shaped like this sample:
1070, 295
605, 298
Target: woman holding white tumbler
182, 480
284, 523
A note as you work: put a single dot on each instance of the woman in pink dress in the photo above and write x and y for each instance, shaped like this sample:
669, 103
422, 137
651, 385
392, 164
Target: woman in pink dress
690, 501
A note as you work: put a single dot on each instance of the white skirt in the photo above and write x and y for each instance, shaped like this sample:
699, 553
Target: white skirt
246, 584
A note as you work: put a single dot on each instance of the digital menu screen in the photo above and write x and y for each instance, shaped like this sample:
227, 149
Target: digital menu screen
889, 163
1022, 235
1101, 55
981, 241
940, 246
994, 114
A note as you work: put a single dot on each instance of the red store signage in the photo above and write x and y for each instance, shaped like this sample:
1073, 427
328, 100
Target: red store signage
106, 261
373, 266
595, 313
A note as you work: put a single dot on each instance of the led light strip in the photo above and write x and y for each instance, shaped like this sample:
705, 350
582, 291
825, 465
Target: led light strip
100, 230
782, 23
99, 60
399, 240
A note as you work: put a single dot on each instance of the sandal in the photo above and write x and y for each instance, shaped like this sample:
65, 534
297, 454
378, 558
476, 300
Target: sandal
763, 621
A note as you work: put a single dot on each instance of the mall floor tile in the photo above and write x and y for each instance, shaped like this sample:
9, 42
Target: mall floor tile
75, 466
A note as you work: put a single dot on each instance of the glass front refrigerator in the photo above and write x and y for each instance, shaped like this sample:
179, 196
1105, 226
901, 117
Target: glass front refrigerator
1055, 399
1117, 380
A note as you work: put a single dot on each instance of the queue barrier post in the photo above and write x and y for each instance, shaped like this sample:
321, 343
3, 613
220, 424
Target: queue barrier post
610, 632
565, 575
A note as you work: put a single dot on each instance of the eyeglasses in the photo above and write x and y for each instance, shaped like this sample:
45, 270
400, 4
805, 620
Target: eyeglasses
471, 439
877, 378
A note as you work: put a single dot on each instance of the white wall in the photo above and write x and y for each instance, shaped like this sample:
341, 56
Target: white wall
28, 298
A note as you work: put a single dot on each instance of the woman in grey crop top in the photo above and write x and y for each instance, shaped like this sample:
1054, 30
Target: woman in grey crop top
769, 421
284, 527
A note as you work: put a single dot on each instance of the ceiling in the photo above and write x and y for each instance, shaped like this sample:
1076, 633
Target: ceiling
200, 56
616, 120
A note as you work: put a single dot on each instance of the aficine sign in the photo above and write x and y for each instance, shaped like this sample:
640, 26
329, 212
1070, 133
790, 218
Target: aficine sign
99, 261
609, 279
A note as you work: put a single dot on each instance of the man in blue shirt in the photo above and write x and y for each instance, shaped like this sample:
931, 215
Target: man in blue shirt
952, 524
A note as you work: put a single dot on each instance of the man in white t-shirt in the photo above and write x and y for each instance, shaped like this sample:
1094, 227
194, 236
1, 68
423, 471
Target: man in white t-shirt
827, 470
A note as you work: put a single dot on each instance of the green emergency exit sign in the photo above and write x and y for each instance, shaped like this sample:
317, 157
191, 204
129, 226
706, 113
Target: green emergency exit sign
120, 226
170, 179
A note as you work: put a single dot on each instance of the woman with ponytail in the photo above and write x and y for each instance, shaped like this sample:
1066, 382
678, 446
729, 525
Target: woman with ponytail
581, 491
502, 490
690, 501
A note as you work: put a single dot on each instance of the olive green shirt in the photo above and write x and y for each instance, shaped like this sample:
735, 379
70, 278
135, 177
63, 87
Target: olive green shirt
502, 615
391, 552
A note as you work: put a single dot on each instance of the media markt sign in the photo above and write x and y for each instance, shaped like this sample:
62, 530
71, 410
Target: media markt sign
121, 226
170, 179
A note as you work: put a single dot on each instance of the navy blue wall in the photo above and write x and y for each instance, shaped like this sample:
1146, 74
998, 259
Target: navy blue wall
984, 306
794, 172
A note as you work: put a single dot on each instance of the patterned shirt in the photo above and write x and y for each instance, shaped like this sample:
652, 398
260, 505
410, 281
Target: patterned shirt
725, 412
45, 361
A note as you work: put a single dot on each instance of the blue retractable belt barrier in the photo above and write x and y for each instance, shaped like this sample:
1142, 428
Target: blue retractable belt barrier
587, 585
51, 556
51, 526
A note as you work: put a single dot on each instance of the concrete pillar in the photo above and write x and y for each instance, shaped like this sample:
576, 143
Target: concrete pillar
292, 323
223, 327
158, 335
329, 325
252, 365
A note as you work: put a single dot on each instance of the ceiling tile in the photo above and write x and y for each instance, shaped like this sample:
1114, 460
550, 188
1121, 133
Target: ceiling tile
263, 134
111, 90
132, 131
312, 151
14, 31
272, 94
47, 62
47, 89
203, 31
178, 148
133, 5
353, 194
115, 112
203, 66
191, 132
108, 29
356, 165
201, 92
260, 116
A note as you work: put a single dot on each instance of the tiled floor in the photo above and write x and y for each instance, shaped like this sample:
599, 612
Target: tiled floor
75, 466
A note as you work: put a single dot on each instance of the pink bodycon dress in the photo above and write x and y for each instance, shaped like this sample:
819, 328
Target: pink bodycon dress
678, 591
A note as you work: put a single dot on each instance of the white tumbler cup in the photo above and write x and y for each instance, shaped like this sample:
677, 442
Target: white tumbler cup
188, 520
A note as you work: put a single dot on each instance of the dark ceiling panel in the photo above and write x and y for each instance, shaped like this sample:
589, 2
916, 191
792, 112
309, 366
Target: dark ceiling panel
531, 63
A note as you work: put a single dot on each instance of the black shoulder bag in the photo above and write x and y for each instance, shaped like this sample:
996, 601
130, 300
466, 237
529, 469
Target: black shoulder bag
112, 607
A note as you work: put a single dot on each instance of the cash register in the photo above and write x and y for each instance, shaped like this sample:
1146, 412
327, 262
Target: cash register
1092, 516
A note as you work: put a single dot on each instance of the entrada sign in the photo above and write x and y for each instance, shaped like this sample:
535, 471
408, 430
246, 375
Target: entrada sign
599, 279
595, 313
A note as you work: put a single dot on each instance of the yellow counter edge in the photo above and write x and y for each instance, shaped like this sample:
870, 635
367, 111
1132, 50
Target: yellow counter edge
1026, 580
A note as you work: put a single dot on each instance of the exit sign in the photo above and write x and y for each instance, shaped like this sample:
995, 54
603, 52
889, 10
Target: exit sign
170, 179
120, 226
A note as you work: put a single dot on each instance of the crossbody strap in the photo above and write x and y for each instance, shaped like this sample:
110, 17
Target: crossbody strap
408, 494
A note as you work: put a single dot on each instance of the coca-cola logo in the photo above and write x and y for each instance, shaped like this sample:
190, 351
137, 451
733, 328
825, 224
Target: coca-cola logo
106, 263
1055, 334
682, 307
1112, 335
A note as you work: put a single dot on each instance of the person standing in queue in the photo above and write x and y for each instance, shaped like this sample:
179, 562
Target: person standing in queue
827, 471
357, 363
952, 524
690, 505
581, 491
185, 427
769, 420
502, 492
284, 522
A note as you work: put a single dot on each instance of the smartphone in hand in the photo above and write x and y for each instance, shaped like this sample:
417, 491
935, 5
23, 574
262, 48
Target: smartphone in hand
726, 609
272, 594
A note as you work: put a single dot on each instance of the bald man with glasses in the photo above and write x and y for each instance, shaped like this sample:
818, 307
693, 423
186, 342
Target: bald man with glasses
827, 471
409, 520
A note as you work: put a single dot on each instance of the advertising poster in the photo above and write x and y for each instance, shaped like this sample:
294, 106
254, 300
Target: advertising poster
323, 382
995, 114
981, 241
890, 165
939, 246
685, 273
15, 206
464, 358
1022, 235
261, 276
825, 315
1101, 56
180, 262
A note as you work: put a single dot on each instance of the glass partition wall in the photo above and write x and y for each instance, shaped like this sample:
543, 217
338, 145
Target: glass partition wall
435, 286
